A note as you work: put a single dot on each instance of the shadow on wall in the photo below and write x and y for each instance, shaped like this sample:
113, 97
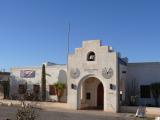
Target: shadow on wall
14, 86
62, 77
15, 81
1, 92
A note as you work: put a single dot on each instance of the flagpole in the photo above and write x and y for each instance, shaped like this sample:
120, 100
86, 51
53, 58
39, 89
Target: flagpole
68, 50
68, 42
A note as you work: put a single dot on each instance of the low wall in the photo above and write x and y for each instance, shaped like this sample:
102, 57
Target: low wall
35, 104
133, 109
43, 105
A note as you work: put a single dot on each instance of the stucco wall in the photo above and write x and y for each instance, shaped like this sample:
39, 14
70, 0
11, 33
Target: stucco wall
105, 57
142, 74
55, 73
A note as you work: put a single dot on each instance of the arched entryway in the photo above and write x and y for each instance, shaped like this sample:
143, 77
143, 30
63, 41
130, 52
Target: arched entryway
91, 94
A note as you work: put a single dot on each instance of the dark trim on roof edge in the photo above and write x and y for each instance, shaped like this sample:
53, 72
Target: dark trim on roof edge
5, 73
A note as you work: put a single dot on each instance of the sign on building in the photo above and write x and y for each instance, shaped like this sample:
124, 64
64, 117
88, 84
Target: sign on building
27, 73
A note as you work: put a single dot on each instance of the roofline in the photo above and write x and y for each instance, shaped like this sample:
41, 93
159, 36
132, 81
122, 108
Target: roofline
37, 67
142, 62
122, 62
5, 73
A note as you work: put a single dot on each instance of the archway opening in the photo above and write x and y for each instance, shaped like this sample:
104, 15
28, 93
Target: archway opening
91, 94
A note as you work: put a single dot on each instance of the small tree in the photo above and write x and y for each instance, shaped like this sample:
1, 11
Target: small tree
43, 83
59, 90
155, 89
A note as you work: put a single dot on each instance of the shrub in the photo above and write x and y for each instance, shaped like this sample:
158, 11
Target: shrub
26, 112
59, 90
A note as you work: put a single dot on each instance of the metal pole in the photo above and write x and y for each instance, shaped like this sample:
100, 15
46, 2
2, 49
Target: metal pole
68, 50
68, 44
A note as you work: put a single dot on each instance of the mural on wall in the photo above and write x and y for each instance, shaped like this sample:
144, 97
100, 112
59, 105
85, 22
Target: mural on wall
27, 73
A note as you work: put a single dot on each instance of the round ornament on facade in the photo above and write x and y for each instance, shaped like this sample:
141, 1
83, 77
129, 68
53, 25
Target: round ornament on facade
107, 73
74, 73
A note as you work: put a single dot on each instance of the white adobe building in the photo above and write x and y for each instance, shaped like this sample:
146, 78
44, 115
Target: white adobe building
54, 73
97, 77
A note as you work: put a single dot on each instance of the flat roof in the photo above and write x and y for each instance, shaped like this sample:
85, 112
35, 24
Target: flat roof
4, 73
144, 63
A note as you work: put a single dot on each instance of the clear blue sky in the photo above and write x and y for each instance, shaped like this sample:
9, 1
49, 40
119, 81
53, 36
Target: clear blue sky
34, 31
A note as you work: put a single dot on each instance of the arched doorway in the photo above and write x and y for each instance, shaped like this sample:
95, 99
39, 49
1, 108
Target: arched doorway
91, 94
100, 96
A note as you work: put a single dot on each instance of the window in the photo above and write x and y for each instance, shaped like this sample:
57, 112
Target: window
111, 86
73, 86
22, 88
36, 89
52, 90
145, 91
91, 56
88, 96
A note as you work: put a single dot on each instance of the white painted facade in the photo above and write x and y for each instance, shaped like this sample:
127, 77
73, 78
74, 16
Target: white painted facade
54, 73
88, 76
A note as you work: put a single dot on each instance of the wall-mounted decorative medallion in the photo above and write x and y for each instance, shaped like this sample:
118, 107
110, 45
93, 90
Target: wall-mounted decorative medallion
74, 73
107, 73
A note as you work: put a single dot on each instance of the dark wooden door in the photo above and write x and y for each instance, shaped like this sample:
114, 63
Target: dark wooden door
100, 96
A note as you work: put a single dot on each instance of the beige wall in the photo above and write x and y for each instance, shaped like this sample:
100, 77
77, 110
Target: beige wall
105, 57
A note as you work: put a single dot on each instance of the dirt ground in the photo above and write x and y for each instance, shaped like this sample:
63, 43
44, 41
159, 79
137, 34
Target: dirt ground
64, 114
